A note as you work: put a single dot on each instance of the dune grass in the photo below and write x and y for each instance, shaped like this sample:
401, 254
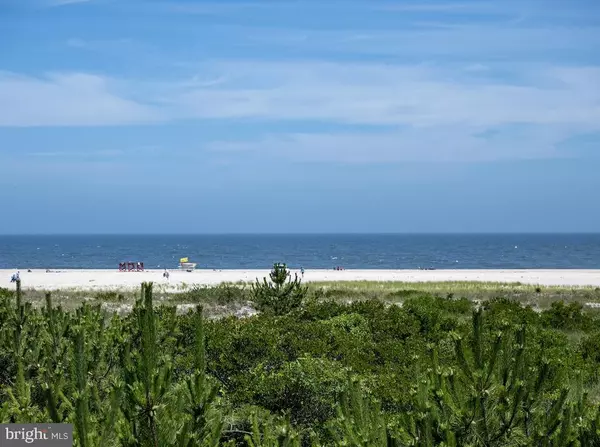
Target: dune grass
537, 296
228, 296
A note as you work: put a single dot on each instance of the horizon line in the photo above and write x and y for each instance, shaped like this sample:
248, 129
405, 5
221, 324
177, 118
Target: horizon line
315, 233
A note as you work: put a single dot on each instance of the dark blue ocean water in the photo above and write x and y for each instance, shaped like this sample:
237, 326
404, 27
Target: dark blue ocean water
310, 251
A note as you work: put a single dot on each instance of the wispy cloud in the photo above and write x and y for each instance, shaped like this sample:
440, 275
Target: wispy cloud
211, 8
77, 154
39, 5
66, 2
116, 46
439, 114
416, 112
431, 41
70, 99
441, 86
445, 7
406, 7
441, 144
378, 94
290, 12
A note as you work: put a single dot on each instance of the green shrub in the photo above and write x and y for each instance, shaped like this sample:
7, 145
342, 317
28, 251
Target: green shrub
319, 310
566, 316
196, 295
342, 294
350, 323
403, 294
281, 294
229, 294
307, 389
428, 376
435, 315
589, 350
110, 297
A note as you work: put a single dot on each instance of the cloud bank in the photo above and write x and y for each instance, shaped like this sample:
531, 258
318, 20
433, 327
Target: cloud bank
457, 81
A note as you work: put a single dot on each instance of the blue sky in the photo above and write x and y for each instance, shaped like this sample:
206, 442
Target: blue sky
161, 116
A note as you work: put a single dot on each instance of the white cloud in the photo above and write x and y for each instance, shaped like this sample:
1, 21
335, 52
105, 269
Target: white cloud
109, 45
432, 40
441, 144
370, 94
443, 115
66, 2
445, 7
464, 89
380, 94
211, 8
78, 154
75, 99
434, 113
333, 7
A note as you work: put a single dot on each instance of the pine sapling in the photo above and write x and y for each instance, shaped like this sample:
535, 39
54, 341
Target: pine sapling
281, 294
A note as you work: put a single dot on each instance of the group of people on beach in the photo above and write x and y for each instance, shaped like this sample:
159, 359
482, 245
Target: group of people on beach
15, 277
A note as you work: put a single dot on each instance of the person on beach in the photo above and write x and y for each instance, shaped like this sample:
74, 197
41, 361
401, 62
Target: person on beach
166, 274
302, 271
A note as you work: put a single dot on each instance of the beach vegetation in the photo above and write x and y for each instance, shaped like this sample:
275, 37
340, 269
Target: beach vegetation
314, 370
280, 293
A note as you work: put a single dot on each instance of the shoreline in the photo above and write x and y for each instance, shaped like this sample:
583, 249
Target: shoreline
106, 279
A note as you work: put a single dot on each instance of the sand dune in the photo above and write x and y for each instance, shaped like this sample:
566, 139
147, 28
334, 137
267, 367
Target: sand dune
109, 279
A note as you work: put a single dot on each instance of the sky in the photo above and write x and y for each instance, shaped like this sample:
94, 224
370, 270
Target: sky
174, 116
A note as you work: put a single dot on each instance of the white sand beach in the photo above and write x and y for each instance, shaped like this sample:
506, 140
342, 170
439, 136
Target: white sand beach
110, 279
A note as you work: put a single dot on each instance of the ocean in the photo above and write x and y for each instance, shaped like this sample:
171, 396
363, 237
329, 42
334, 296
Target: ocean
356, 251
